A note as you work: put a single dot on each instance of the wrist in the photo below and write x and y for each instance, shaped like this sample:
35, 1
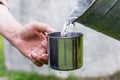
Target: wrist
9, 27
12, 33
4, 16
3, 6
4, 2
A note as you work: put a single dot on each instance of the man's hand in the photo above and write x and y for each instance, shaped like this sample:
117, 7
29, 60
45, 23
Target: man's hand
31, 42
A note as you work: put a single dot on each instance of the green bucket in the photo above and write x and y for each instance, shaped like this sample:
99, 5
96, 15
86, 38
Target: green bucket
102, 16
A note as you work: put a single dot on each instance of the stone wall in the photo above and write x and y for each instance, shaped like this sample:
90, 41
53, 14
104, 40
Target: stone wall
101, 53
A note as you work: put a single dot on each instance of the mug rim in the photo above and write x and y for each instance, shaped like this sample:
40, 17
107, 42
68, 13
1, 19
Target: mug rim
49, 35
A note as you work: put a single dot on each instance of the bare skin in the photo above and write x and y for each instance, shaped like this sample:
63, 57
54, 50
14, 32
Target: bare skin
30, 39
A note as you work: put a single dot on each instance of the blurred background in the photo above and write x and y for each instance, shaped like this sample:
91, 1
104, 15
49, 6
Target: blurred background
101, 53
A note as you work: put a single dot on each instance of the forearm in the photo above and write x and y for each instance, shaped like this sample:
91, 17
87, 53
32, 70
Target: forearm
9, 27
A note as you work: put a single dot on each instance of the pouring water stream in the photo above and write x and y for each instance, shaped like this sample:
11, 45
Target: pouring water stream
80, 7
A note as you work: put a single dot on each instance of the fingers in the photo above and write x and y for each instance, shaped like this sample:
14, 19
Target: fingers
40, 59
42, 27
36, 63
44, 58
44, 45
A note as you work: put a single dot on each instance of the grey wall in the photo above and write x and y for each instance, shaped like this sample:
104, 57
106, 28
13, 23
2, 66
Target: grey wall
101, 53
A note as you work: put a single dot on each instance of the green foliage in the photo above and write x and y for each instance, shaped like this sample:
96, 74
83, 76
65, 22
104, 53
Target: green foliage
29, 76
2, 66
1, 50
72, 77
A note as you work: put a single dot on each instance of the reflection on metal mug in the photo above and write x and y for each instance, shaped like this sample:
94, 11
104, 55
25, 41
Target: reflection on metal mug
65, 52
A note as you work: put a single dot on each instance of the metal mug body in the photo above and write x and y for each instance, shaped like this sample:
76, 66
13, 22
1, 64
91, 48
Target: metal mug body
65, 53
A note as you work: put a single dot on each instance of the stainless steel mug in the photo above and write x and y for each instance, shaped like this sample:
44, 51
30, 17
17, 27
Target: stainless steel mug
65, 53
